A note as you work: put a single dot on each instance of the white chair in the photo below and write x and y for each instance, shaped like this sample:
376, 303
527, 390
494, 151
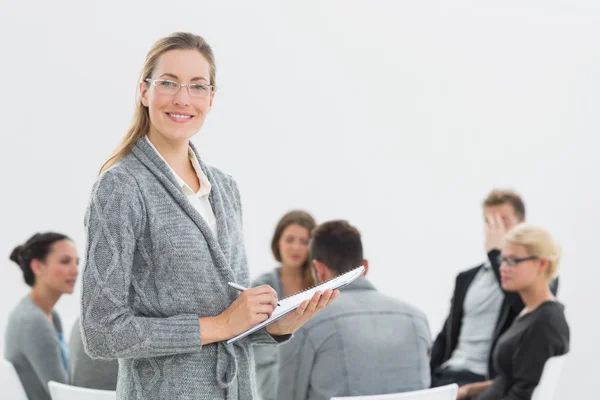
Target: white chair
60, 391
10, 383
447, 392
546, 388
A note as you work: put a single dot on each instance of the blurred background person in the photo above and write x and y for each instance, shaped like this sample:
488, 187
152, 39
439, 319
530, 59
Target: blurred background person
480, 309
34, 338
530, 259
294, 274
364, 343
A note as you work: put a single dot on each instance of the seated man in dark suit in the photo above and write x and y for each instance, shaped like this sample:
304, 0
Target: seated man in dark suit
480, 311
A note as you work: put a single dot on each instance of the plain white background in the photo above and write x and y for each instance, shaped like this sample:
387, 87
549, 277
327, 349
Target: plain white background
398, 116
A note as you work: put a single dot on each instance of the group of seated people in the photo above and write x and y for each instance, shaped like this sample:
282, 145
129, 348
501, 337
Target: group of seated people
504, 321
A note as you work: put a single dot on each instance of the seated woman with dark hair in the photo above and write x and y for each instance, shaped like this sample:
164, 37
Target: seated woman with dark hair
530, 259
34, 341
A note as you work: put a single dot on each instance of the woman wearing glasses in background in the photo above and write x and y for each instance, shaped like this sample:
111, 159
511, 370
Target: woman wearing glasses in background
530, 259
164, 238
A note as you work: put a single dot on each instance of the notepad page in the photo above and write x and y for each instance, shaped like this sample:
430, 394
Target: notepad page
290, 303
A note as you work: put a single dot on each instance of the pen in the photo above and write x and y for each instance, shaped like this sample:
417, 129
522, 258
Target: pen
240, 288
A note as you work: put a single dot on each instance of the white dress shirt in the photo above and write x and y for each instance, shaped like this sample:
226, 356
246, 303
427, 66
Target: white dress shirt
198, 200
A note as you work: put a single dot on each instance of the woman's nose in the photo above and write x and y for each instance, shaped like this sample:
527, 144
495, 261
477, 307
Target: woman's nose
182, 97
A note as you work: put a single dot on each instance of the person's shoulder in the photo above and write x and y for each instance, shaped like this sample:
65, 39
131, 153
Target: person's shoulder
219, 174
27, 317
547, 323
410, 309
401, 307
268, 278
551, 313
120, 181
224, 181
119, 176
469, 272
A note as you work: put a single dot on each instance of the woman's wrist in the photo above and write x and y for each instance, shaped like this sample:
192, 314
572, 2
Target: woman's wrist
213, 329
273, 331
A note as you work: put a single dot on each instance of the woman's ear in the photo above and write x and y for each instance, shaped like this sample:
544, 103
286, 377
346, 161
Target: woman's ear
144, 93
36, 267
543, 268
212, 99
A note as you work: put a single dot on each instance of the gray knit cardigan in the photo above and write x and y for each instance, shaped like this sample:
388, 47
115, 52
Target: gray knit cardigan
153, 268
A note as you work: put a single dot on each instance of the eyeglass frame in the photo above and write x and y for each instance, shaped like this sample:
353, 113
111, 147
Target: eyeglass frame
213, 88
515, 261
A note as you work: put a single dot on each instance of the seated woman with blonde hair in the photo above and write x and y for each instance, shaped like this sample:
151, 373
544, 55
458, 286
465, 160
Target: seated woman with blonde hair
530, 259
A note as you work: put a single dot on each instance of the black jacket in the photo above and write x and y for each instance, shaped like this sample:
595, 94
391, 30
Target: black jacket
512, 305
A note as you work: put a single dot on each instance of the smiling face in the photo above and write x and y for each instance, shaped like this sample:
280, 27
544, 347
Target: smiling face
179, 116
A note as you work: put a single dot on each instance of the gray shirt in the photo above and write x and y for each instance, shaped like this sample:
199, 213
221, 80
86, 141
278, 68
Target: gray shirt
480, 313
32, 346
363, 343
153, 269
87, 372
267, 357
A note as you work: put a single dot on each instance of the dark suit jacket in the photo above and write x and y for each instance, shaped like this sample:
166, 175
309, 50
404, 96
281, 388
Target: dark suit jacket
512, 305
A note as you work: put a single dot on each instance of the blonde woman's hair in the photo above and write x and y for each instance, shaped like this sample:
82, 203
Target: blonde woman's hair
141, 118
539, 243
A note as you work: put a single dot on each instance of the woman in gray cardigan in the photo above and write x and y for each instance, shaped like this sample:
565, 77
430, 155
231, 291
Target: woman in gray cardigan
164, 238
34, 341
290, 247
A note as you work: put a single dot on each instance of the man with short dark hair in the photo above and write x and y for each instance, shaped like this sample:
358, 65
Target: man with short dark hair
480, 310
363, 343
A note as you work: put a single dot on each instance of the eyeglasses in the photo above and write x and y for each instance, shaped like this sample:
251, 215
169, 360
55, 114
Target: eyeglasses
172, 87
513, 262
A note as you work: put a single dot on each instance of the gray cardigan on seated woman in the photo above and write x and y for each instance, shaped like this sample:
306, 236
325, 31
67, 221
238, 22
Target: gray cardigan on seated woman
32, 345
153, 268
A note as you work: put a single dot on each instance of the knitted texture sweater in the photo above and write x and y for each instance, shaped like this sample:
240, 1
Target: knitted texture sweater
153, 268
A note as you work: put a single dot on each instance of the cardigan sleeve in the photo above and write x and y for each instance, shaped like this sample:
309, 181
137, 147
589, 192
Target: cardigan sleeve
110, 329
261, 336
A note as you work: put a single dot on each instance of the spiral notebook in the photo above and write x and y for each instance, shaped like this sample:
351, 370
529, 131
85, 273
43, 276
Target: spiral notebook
292, 302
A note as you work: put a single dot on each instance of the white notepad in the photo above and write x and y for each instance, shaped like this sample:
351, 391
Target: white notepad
290, 303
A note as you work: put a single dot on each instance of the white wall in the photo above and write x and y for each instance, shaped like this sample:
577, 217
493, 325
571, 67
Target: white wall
399, 116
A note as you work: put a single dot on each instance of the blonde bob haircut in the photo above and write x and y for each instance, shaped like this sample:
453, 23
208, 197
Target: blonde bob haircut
539, 243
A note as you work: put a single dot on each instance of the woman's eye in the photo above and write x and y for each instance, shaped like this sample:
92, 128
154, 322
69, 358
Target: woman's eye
167, 84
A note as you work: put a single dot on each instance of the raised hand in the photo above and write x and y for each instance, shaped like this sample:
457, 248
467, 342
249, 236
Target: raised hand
495, 230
